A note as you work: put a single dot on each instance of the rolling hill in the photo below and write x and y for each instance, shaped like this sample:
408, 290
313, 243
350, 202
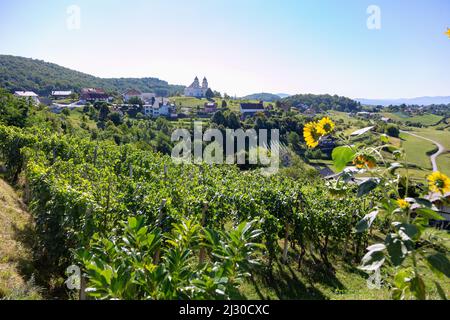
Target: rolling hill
323, 102
420, 101
267, 97
18, 73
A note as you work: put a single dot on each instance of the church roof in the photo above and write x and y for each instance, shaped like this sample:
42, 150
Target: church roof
195, 84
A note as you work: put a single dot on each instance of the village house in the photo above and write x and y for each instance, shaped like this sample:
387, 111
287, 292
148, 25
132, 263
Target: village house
146, 97
195, 90
310, 112
365, 114
93, 95
250, 109
160, 107
132, 93
210, 107
28, 95
59, 95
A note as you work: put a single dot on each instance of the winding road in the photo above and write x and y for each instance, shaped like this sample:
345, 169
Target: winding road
434, 156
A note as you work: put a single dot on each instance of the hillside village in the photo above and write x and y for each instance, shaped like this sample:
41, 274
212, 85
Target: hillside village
132, 128
133, 101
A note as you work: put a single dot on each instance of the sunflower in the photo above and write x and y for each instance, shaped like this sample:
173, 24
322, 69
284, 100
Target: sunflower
363, 161
311, 134
448, 32
325, 126
439, 182
403, 204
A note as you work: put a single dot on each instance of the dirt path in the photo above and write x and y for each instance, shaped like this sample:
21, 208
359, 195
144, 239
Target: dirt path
435, 155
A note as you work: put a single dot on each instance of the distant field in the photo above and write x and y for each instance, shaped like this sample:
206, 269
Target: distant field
188, 102
443, 163
416, 150
65, 101
426, 119
441, 136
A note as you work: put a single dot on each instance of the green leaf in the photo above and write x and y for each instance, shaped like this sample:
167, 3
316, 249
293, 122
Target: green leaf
407, 231
341, 156
367, 186
132, 222
396, 249
402, 278
374, 259
366, 222
439, 264
424, 202
376, 247
384, 138
417, 288
429, 214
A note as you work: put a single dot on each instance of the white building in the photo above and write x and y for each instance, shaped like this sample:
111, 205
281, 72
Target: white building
29, 95
195, 90
61, 94
161, 107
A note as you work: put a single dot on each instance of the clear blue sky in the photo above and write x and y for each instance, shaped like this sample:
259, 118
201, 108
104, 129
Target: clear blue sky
244, 46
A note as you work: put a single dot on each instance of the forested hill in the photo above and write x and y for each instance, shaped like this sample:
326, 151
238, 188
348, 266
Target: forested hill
17, 73
323, 102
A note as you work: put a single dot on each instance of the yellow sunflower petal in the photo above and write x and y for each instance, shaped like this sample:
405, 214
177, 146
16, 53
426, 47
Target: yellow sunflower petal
439, 182
325, 126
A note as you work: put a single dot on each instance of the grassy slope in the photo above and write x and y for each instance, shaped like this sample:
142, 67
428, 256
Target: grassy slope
15, 258
191, 102
443, 137
416, 149
75, 118
345, 282
443, 163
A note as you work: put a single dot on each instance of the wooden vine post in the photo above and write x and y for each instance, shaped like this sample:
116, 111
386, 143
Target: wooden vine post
27, 193
302, 246
95, 156
160, 225
202, 254
286, 242
82, 287
54, 154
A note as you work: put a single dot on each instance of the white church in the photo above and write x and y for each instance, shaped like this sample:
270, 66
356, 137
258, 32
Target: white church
195, 90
